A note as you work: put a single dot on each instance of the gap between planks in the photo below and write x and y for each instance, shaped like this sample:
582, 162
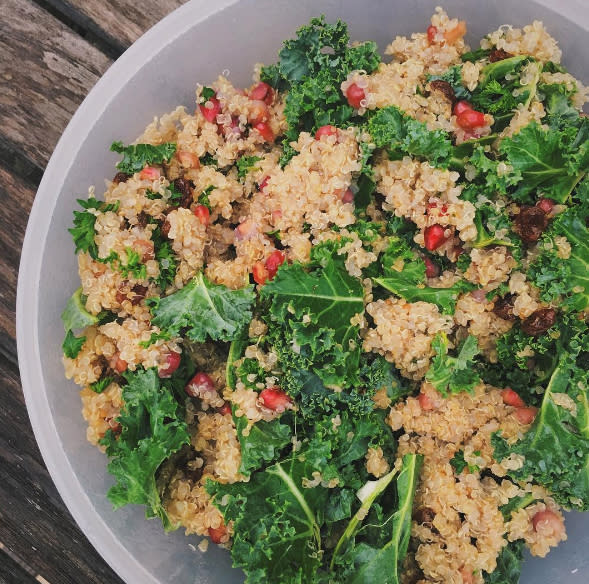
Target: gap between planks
17, 560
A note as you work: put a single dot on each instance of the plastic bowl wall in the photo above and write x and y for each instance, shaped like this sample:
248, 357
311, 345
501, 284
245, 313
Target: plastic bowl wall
195, 44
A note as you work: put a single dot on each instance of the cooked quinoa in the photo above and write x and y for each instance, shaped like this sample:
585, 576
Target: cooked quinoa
336, 321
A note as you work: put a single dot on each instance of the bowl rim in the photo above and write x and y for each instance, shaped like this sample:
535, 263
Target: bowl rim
75, 497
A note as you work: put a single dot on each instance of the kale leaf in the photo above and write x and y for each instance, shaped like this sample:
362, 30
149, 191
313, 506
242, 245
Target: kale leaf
137, 156
509, 564
72, 345
246, 164
453, 374
151, 431
207, 310
75, 316
84, 221
453, 76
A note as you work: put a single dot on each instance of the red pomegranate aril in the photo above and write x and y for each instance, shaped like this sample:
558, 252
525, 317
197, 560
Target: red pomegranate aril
432, 31
120, 365
260, 273
348, 196
210, 113
275, 259
245, 230
217, 533
325, 131
470, 119
264, 183
467, 575
431, 269
258, 112
355, 95
202, 214
546, 205
525, 415
172, 363
425, 402
150, 173
461, 107
433, 237
511, 398
265, 131
232, 128
201, 381
188, 159
262, 91
548, 520
275, 399
225, 409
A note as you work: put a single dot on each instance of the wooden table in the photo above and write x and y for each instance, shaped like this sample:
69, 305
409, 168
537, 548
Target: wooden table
51, 54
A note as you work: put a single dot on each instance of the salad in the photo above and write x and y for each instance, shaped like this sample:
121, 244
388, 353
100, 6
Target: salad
337, 321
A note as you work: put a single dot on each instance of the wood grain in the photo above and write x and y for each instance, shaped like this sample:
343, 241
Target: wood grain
35, 526
120, 21
17, 196
46, 70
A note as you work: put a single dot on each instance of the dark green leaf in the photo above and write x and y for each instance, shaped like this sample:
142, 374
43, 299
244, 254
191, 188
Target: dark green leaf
72, 345
137, 156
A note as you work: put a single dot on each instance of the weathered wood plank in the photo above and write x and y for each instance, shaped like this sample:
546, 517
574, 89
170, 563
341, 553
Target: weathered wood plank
17, 196
12, 571
34, 523
121, 21
46, 70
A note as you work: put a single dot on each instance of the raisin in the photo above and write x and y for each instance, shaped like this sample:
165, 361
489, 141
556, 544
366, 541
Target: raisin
531, 223
443, 87
142, 219
425, 516
139, 293
539, 321
121, 177
165, 229
183, 186
503, 307
499, 55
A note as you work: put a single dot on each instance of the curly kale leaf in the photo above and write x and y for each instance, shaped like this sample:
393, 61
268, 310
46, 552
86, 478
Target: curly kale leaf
509, 565
408, 280
276, 522
151, 431
556, 447
564, 279
401, 135
84, 221
449, 374
246, 164
137, 156
207, 310
560, 111
72, 345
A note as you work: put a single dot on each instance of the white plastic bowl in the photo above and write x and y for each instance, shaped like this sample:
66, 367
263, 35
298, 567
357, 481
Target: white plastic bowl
196, 43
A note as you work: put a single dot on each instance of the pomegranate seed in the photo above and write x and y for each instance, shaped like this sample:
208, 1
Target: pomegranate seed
188, 159
548, 521
434, 237
275, 259
471, 119
511, 398
258, 112
461, 107
355, 95
202, 213
546, 205
172, 363
431, 269
232, 128
276, 216
217, 534
211, 109
260, 273
201, 381
275, 399
348, 196
225, 409
325, 131
467, 575
432, 31
264, 183
425, 402
525, 415
265, 131
150, 173
262, 91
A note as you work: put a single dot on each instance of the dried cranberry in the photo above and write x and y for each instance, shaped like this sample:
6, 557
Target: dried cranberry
531, 223
503, 307
539, 321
